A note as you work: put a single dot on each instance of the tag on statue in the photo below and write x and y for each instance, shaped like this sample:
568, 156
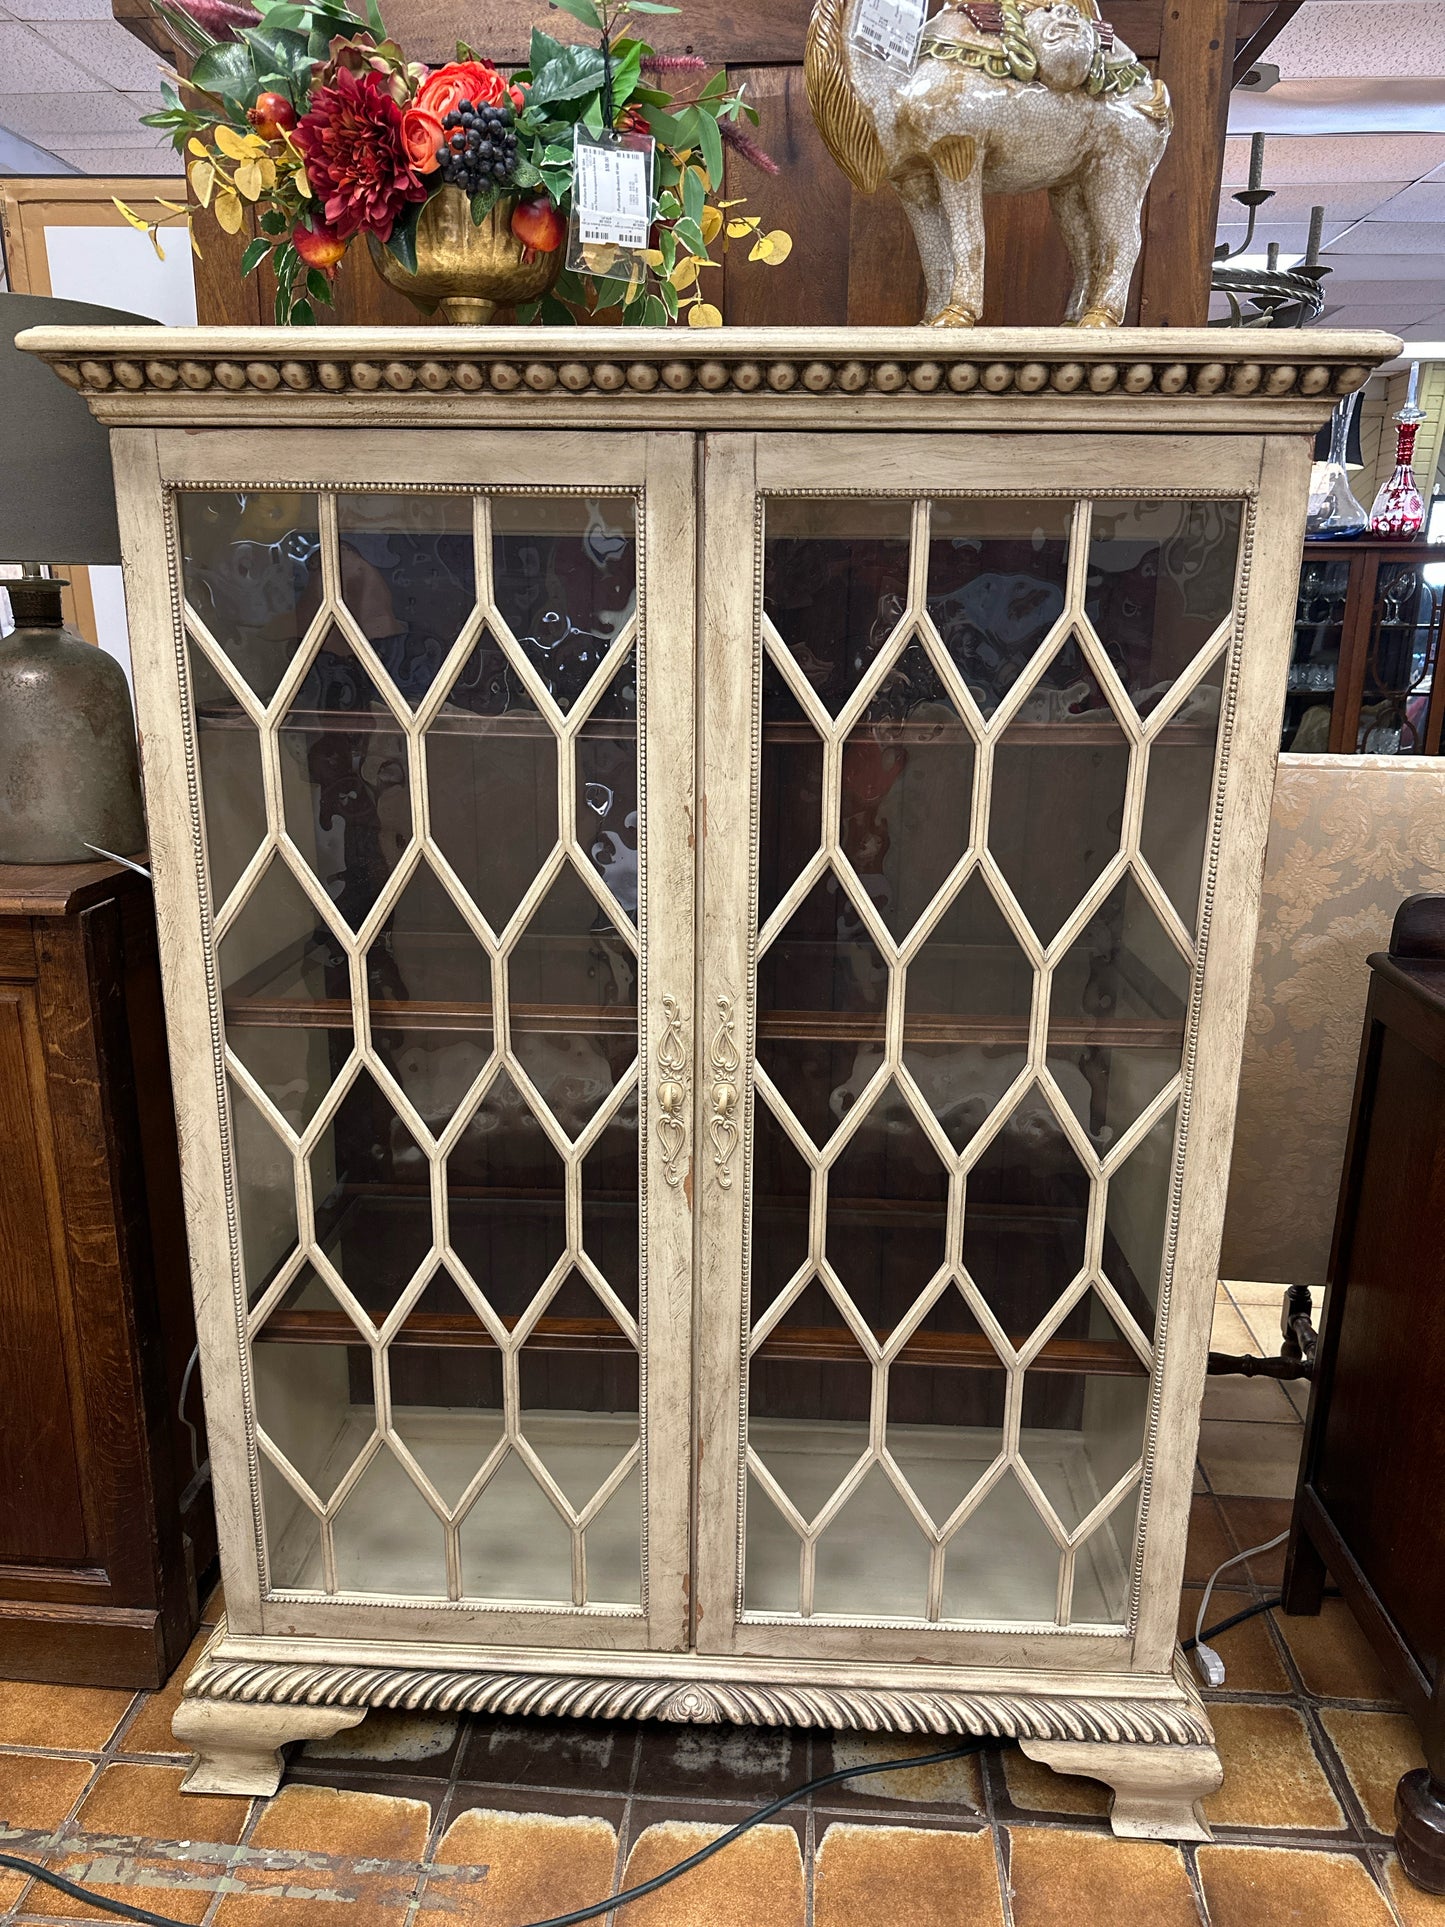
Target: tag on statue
890, 30
611, 196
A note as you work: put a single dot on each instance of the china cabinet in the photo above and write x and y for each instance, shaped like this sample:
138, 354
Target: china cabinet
1367, 632
707, 886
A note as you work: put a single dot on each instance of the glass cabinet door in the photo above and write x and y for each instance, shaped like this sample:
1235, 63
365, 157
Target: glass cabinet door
1314, 670
1401, 658
984, 764
422, 726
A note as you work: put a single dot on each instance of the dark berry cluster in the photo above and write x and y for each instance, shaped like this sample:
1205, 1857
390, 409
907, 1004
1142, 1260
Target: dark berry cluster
479, 149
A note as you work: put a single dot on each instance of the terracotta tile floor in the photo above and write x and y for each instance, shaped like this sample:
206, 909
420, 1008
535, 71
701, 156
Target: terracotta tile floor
436, 1822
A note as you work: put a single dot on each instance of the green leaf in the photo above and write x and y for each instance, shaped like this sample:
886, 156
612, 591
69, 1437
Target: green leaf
560, 156
654, 315
318, 286
280, 18
543, 49
649, 6
710, 141
669, 298
558, 186
271, 222
610, 291
626, 71
375, 21
402, 245
524, 175
632, 314
592, 114
568, 75
715, 89
582, 10
693, 196
302, 315
527, 312
226, 70
667, 244
665, 127
556, 313
256, 252
483, 201
690, 234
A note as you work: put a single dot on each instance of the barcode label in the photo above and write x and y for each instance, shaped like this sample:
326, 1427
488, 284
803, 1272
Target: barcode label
612, 192
890, 29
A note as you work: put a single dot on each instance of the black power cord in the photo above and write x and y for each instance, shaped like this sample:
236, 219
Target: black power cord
17, 1864
119, 1908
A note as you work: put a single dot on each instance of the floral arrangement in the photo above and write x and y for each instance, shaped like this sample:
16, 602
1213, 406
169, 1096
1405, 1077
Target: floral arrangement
314, 118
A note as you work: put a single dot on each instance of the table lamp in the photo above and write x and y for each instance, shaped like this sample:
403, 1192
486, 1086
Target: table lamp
69, 781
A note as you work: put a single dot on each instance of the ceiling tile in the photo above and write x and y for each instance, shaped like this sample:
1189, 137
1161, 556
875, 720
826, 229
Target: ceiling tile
58, 9
1392, 237
144, 162
53, 119
1341, 158
1293, 203
105, 49
1425, 201
1293, 237
30, 65
1349, 38
1412, 268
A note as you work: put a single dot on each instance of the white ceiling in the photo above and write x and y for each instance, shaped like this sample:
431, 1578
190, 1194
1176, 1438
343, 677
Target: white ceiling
73, 86
1370, 149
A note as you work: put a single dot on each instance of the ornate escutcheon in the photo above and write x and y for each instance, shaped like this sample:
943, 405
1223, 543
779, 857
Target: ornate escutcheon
672, 1091
725, 1063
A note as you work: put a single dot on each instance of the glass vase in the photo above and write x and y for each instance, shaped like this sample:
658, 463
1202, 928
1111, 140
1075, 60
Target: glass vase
1399, 511
1334, 511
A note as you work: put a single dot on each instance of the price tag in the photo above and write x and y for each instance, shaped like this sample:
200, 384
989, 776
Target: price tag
890, 30
612, 190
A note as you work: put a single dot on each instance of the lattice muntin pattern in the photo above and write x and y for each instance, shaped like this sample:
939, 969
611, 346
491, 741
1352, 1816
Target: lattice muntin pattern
567, 854
1036, 1080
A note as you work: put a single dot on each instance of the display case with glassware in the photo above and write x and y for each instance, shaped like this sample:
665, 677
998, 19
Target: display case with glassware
707, 891
1368, 621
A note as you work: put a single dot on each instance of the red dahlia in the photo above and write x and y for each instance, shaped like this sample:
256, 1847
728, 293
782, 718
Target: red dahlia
355, 160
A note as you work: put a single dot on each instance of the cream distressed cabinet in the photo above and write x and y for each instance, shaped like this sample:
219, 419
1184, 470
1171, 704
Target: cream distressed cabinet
707, 887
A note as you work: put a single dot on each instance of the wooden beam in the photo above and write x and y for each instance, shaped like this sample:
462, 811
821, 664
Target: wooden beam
1180, 214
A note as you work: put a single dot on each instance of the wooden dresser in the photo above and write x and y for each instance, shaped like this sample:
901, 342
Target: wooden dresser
105, 1525
1366, 1507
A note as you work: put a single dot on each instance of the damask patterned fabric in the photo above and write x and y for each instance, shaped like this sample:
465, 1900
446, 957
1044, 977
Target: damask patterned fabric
1350, 837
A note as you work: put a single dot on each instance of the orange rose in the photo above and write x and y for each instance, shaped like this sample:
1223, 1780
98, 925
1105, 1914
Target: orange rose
421, 136
478, 81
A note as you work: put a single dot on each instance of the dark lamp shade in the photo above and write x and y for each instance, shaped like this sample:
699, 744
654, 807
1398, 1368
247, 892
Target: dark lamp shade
57, 498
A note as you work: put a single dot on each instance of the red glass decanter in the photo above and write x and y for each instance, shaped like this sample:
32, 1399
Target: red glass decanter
1399, 511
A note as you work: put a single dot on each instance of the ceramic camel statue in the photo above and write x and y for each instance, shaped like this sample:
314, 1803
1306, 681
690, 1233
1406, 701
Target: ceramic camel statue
1004, 99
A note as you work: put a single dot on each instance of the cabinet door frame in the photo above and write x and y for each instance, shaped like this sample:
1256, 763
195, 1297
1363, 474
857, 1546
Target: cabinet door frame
740, 470
658, 469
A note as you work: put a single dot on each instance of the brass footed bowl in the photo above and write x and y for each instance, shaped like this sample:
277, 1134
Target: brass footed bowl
465, 271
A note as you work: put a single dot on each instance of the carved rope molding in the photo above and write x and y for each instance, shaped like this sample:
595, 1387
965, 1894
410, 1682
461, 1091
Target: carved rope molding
413, 1689
909, 363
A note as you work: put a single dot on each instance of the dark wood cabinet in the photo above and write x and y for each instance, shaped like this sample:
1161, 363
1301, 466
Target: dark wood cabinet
1368, 621
1367, 1509
106, 1528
